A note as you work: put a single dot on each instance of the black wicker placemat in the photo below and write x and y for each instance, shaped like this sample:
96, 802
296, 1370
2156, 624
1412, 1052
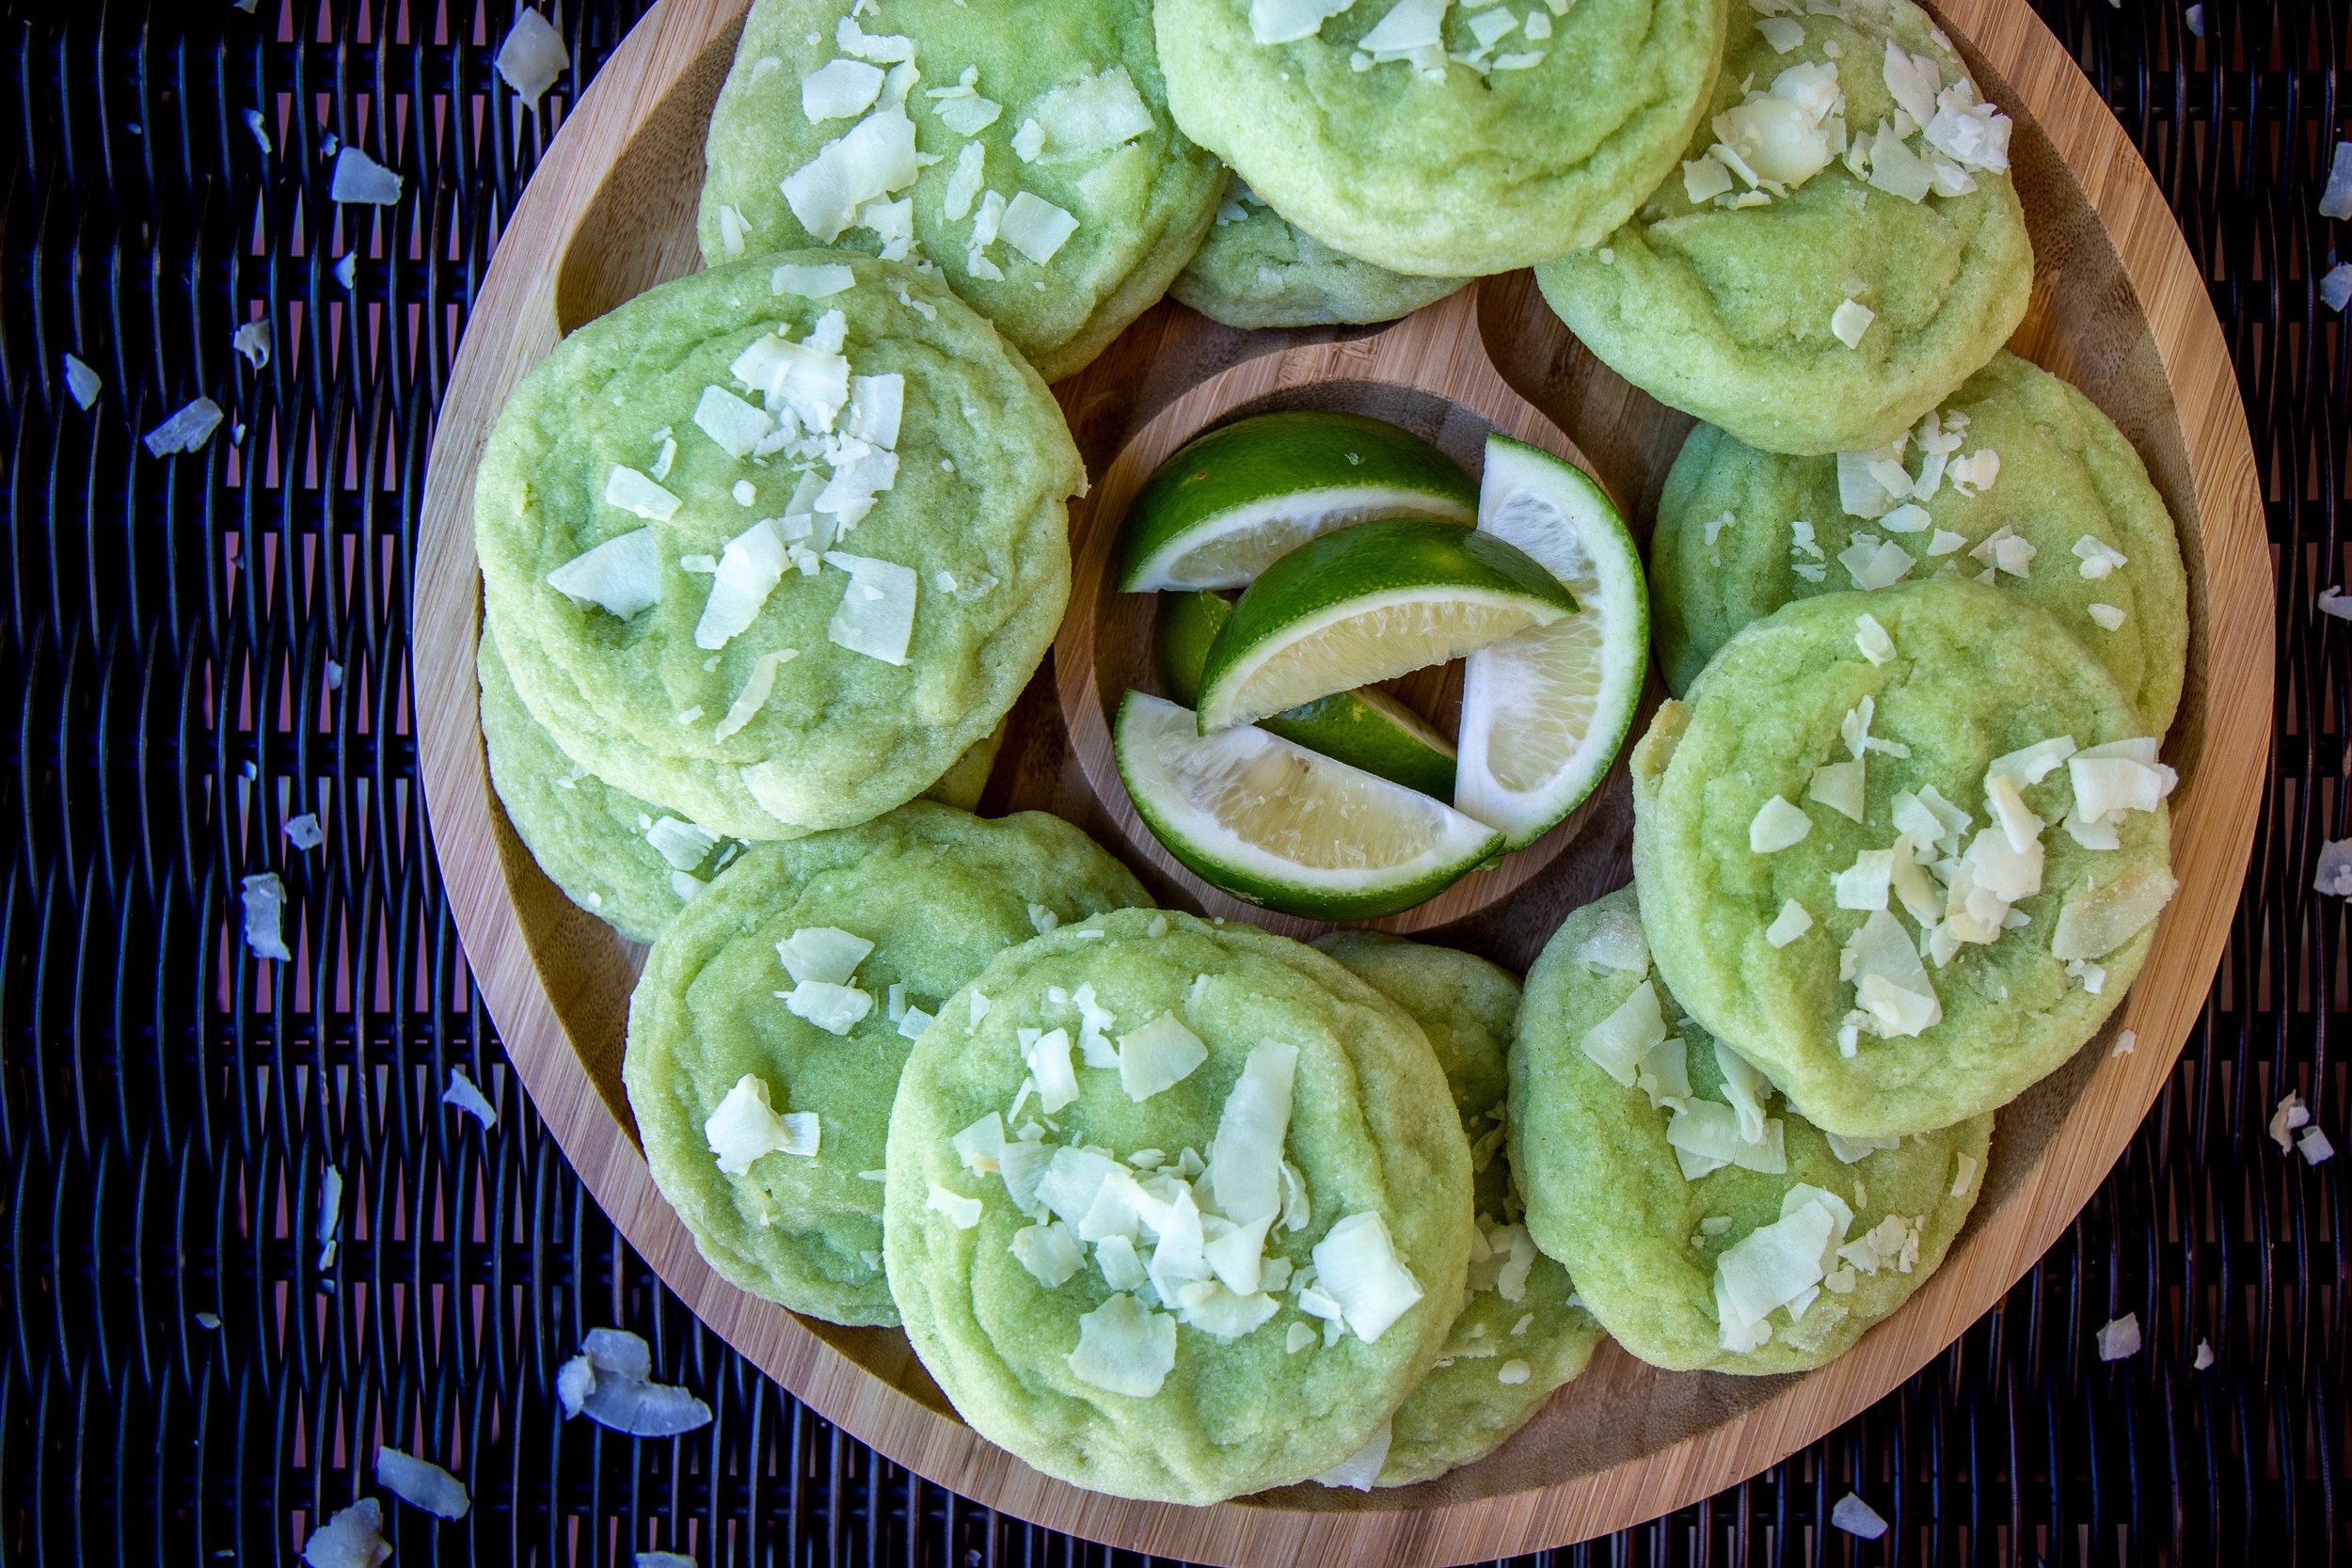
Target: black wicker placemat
195, 649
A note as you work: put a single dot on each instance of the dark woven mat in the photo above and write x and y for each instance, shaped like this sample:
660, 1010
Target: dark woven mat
194, 649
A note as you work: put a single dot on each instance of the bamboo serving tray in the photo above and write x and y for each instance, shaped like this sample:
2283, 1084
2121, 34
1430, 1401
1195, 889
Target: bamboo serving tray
2118, 309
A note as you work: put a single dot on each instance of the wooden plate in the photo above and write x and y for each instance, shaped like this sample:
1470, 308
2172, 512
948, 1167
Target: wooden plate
2119, 310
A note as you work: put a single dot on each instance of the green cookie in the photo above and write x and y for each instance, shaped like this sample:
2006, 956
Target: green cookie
1517, 1339
1736, 303
808, 634
1095, 1301
1257, 269
631, 864
1862, 779
1667, 1261
1450, 155
939, 895
1027, 153
2064, 479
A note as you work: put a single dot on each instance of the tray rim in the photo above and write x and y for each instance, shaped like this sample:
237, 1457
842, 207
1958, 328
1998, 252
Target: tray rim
512, 325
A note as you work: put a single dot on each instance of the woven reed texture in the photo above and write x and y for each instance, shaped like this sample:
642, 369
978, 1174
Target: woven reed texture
193, 649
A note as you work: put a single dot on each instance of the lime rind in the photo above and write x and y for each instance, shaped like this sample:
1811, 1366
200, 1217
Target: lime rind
1367, 604
1230, 502
1513, 691
1202, 795
1364, 728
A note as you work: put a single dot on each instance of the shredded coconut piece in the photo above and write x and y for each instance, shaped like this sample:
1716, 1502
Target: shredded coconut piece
188, 428
2119, 1337
1851, 1514
532, 56
1851, 321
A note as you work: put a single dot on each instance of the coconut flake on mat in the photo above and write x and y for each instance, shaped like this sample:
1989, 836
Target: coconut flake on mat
2333, 874
254, 340
1125, 1348
2336, 200
304, 832
609, 1383
2204, 1354
187, 428
1777, 826
264, 903
2119, 1337
82, 384
260, 129
359, 179
532, 56
352, 1538
2290, 1115
420, 1483
876, 616
462, 1093
1159, 1055
1851, 1514
2314, 1146
745, 1127
1850, 321
346, 270
2335, 288
1361, 1469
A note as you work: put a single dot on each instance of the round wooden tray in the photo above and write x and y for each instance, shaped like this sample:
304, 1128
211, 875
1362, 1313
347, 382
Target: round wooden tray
2118, 309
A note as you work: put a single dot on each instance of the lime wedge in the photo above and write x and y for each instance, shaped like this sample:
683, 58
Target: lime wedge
1545, 713
1226, 504
1366, 604
1367, 729
1281, 827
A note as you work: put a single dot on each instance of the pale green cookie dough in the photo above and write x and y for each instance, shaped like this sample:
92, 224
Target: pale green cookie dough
939, 893
1971, 674
1427, 163
1517, 1339
972, 524
1257, 269
1729, 312
963, 784
1104, 152
1607, 1195
604, 848
1180, 1415
2064, 479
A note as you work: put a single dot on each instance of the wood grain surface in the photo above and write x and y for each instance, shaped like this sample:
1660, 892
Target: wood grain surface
2118, 309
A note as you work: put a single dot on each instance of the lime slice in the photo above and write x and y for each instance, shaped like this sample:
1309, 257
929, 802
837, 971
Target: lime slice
1281, 827
1545, 713
1367, 604
1367, 729
1219, 510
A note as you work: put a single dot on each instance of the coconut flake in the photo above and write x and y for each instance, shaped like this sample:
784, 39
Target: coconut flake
2314, 1146
2098, 557
874, 158
1245, 1176
1775, 1264
2030, 764
1356, 1263
2290, 1115
839, 89
1891, 986
1842, 787
1872, 638
961, 1212
1051, 1253
2096, 920
1288, 21
2110, 617
82, 384
738, 427
2119, 1337
1777, 826
1787, 926
1875, 565
825, 954
1704, 179
353, 1538
1158, 1056
1359, 1470
757, 687
2333, 874
264, 904
1851, 1514
253, 340
1088, 118
1618, 1043
1850, 321
420, 1482
360, 179
749, 569
808, 378
532, 56
744, 1127
1035, 226
876, 616
834, 1008
462, 1094
188, 428
682, 844
2335, 288
609, 1382
811, 281
304, 832
1125, 1348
